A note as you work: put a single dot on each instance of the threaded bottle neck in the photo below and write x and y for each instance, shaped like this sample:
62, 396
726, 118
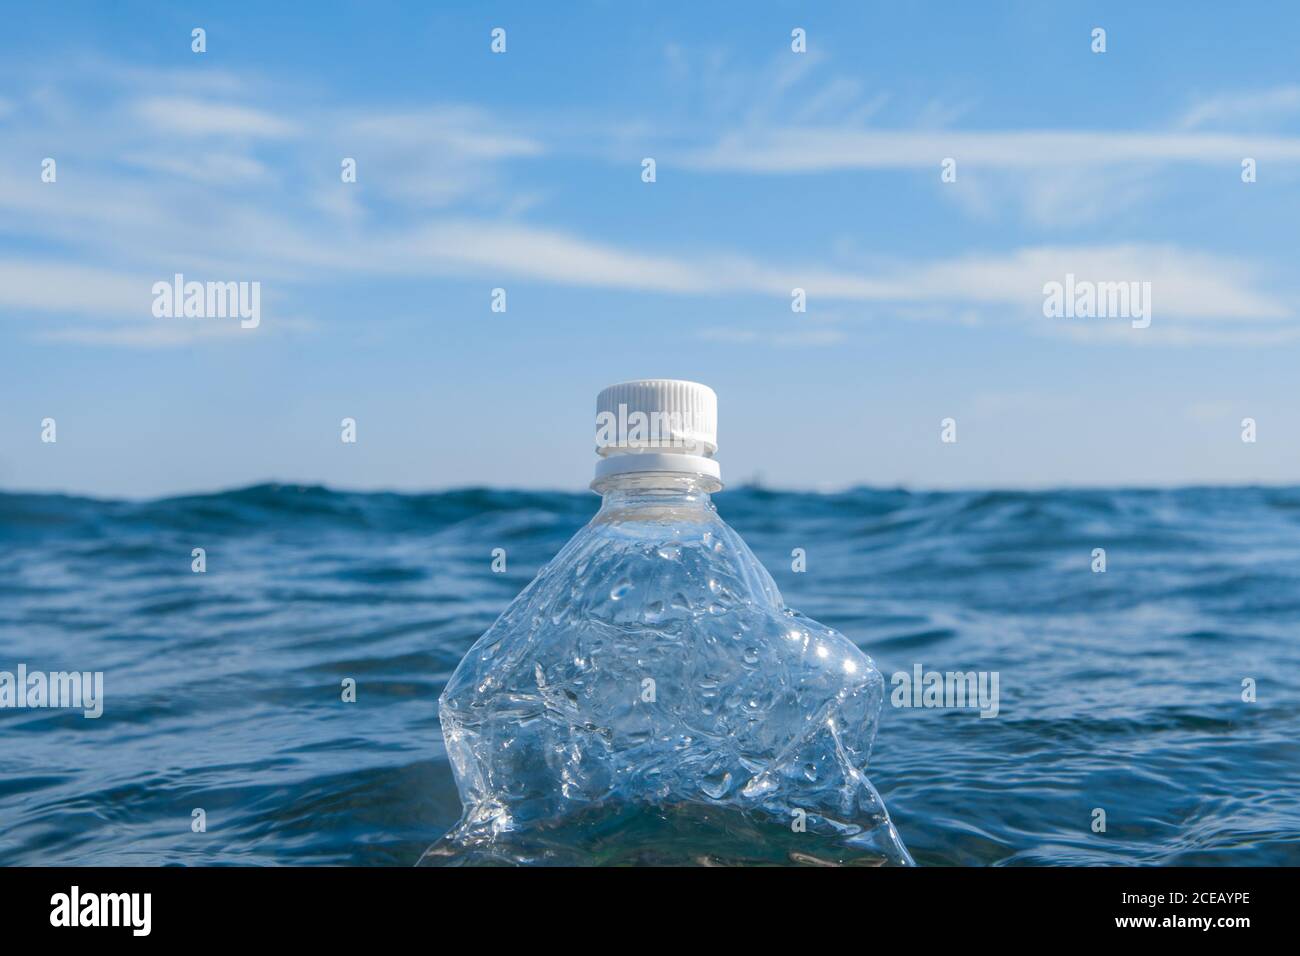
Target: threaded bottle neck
656, 490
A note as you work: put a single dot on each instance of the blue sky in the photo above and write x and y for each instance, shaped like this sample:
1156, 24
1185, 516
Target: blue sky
522, 171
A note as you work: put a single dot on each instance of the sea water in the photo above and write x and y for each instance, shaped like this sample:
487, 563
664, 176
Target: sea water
223, 691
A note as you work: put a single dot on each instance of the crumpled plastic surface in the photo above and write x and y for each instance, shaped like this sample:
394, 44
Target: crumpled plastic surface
649, 698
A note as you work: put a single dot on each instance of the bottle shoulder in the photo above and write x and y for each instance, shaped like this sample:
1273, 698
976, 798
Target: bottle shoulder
689, 591
674, 564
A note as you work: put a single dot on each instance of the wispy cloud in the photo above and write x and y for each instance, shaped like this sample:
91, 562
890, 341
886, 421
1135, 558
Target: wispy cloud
468, 132
191, 116
164, 335
434, 156
815, 150
209, 167
1243, 108
777, 338
33, 286
1185, 284
434, 199
156, 336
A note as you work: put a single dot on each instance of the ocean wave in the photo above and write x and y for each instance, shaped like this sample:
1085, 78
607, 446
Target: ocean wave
1119, 690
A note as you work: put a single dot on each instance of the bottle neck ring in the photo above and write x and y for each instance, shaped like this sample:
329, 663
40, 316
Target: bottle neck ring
649, 469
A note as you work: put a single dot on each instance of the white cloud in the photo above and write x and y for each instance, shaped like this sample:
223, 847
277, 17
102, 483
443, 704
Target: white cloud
172, 333
1164, 334
101, 71
52, 287
1185, 286
435, 156
798, 338
468, 132
546, 255
207, 167
813, 150
162, 334
308, 227
191, 116
1239, 108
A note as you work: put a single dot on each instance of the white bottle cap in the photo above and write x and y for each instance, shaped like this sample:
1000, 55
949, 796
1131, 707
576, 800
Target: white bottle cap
657, 425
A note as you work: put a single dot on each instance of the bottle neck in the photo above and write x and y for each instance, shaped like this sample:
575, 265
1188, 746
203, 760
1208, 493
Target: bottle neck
666, 461
656, 490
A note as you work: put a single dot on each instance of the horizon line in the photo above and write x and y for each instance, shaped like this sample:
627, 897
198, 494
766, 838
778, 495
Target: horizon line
749, 485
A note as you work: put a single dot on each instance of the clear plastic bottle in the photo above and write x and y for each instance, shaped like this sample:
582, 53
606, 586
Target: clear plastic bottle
649, 698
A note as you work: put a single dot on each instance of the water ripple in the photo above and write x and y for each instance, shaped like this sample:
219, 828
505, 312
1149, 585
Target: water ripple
1120, 691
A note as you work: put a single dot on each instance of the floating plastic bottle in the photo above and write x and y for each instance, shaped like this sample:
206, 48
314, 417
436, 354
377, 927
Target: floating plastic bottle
648, 698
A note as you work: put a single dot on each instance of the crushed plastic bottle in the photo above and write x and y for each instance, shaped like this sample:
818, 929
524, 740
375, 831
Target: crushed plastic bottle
648, 698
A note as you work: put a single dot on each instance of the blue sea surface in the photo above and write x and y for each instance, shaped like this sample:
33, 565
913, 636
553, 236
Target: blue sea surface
1120, 690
